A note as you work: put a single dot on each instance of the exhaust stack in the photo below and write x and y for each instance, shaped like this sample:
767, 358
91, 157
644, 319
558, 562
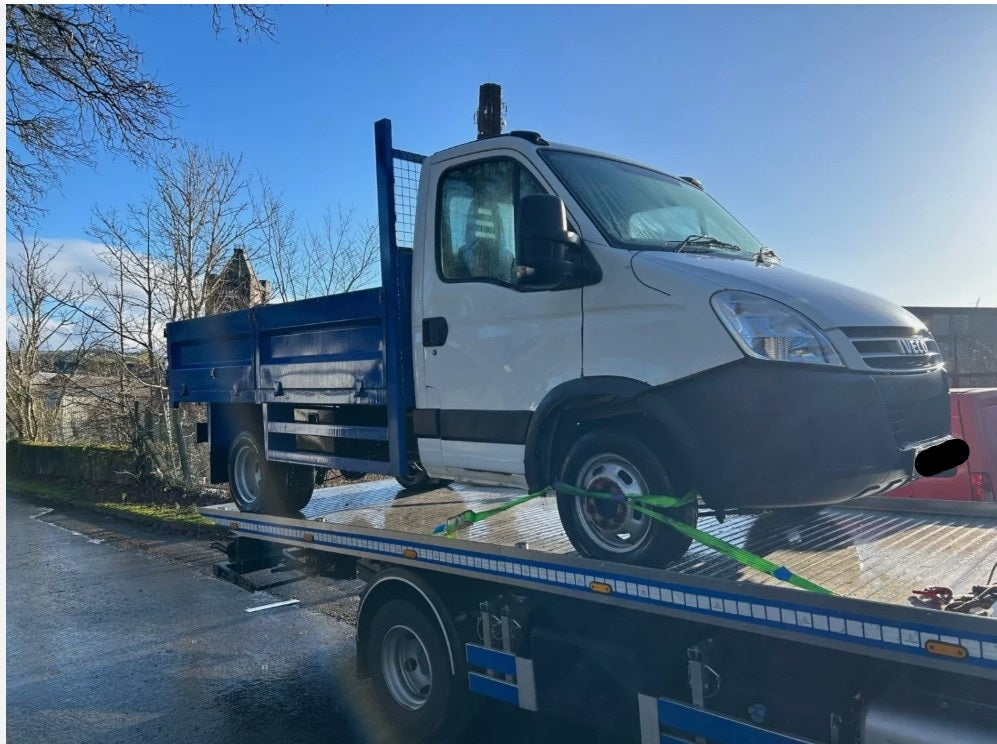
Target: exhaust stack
490, 109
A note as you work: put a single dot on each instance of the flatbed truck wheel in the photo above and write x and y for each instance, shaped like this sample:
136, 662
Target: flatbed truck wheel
417, 479
410, 671
614, 461
263, 487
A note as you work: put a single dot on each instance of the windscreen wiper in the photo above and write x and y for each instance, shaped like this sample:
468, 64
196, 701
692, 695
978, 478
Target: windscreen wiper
705, 241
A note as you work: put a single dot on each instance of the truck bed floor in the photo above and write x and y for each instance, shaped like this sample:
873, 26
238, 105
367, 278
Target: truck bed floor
860, 553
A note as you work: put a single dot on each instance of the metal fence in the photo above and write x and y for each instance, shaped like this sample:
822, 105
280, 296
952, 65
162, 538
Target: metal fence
967, 338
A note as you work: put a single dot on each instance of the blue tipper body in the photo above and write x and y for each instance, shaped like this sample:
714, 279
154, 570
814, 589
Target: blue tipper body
347, 349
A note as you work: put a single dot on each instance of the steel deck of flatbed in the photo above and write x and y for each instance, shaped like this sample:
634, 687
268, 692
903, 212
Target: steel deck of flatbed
870, 558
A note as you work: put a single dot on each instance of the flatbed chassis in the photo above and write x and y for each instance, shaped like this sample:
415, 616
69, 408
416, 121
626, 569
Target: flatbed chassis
510, 570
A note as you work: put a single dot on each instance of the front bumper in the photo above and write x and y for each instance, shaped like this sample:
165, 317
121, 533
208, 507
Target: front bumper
760, 434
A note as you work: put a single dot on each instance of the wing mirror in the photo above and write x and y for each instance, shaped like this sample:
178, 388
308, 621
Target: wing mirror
547, 252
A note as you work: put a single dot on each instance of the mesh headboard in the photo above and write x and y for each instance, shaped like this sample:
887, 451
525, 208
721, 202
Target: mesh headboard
407, 167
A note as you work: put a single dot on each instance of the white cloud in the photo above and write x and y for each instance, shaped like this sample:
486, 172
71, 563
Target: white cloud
77, 257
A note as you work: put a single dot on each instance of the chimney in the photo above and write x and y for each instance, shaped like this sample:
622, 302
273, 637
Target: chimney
489, 116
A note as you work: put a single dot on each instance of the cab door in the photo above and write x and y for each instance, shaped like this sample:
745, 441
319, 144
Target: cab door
490, 347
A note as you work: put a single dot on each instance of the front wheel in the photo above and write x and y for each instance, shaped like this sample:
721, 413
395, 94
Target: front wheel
612, 461
263, 487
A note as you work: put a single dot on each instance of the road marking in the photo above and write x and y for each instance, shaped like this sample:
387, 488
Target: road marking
38, 518
275, 604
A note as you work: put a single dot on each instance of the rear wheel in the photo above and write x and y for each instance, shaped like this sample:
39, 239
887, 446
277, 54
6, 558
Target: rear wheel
417, 479
263, 487
611, 461
410, 671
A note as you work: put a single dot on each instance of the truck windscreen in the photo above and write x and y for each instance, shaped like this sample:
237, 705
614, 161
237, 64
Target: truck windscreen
639, 208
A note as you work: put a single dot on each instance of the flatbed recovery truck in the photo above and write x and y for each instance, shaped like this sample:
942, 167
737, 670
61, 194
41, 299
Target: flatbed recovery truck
753, 385
705, 650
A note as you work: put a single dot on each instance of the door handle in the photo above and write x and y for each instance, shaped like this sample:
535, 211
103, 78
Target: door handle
434, 331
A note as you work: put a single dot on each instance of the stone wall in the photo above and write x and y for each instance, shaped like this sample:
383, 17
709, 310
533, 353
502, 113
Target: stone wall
39, 461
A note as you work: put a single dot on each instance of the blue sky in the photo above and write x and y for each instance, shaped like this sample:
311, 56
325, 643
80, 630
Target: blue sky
859, 142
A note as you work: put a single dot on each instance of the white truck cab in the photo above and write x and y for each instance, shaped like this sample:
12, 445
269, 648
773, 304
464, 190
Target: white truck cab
581, 317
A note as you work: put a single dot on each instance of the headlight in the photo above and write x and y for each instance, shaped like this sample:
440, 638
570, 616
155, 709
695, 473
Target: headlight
767, 329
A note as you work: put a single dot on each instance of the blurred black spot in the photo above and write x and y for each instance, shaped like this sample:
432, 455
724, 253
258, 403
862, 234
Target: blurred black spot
941, 457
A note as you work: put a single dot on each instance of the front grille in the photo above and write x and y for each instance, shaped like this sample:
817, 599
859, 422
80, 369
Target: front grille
894, 347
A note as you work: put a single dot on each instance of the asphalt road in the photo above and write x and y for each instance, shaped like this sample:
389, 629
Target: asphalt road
109, 644
116, 633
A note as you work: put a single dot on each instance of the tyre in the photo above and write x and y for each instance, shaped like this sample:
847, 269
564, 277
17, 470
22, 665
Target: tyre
418, 479
616, 462
263, 487
410, 671
351, 475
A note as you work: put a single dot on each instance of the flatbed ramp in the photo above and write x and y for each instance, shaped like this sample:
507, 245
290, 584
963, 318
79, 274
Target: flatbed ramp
871, 559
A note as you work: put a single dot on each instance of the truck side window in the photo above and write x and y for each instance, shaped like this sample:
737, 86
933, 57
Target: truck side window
477, 235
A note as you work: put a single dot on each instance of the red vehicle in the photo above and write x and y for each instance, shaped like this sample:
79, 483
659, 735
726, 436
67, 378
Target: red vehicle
974, 419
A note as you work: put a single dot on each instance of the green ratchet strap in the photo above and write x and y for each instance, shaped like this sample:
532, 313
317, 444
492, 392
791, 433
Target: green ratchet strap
738, 554
640, 503
645, 505
471, 517
661, 502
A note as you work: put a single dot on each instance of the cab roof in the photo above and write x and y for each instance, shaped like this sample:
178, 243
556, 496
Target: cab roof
529, 142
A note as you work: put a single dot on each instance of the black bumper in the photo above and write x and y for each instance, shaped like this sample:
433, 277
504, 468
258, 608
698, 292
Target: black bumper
761, 434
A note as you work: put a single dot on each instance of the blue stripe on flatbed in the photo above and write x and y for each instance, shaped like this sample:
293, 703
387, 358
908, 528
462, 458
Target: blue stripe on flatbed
489, 658
493, 688
905, 637
666, 739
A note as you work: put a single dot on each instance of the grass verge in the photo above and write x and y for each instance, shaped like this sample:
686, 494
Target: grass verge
176, 517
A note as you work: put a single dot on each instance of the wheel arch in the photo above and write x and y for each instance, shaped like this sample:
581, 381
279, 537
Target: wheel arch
574, 407
400, 583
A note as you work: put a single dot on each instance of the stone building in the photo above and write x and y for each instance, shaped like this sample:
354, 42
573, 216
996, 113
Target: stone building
235, 287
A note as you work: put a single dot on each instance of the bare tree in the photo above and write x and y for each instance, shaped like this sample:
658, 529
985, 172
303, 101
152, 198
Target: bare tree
248, 21
73, 83
41, 321
339, 256
75, 86
157, 258
343, 253
159, 252
203, 209
126, 301
282, 248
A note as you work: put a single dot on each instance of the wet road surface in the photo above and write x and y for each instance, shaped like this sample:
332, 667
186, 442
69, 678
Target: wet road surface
116, 633
111, 645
